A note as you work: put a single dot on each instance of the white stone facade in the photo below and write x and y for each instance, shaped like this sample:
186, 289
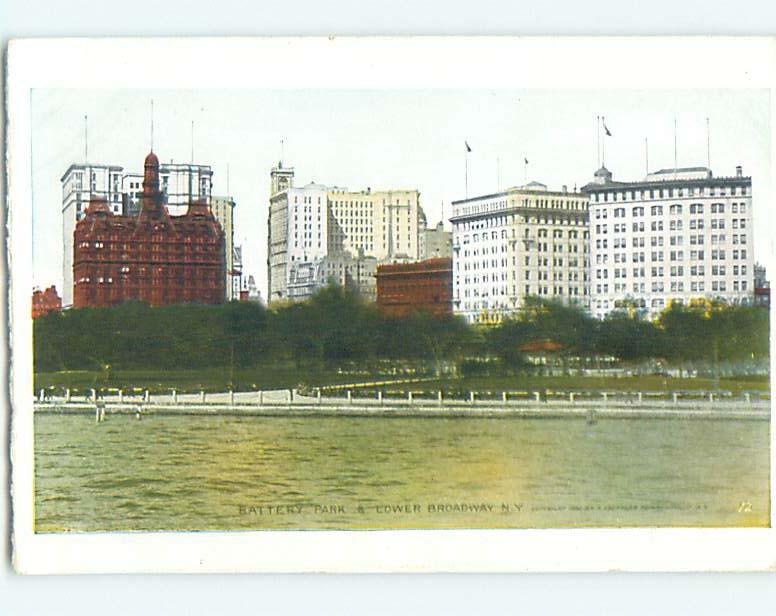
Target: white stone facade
678, 235
383, 224
79, 184
522, 242
298, 233
223, 210
180, 184
317, 233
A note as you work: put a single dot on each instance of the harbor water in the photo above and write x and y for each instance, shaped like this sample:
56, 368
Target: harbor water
226, 472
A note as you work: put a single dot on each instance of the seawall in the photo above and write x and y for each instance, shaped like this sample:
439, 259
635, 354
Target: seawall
757, 410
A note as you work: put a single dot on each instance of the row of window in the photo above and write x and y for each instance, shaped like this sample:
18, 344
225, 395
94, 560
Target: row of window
675, 286
674, 210
673, 271
669, 193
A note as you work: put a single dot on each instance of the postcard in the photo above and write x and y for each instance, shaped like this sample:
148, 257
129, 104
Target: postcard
391, 304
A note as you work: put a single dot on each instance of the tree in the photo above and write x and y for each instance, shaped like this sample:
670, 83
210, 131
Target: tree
628, 337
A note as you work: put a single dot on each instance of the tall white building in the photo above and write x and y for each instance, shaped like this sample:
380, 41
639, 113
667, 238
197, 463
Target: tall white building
385, 224
525, 241
180, 184
79, 184
317, 233
298, 234
223, 210
436, 243
677, 235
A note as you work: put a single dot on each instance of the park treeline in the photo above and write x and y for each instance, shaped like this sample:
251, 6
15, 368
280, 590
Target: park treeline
336, 326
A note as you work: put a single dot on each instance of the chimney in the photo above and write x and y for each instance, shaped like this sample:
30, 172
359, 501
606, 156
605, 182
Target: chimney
565, 188
739, 171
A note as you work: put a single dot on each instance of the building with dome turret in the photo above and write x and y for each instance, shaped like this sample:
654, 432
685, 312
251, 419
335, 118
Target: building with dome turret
152, 257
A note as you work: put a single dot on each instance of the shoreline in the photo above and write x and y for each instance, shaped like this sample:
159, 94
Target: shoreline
424, 409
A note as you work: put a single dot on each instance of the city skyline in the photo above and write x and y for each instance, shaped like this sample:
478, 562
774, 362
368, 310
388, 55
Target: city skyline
381, 139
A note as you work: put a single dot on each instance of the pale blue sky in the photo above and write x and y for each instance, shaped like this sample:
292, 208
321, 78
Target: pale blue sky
386, 139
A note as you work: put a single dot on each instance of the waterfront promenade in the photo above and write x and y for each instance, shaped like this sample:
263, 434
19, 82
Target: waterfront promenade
285, 403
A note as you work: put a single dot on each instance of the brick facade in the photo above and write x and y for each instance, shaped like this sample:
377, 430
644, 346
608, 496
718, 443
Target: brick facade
426, 286
46, 301
153, 257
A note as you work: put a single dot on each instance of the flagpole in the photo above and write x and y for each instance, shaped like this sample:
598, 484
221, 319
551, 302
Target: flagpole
708, 144
525, 170
467, 174
603, 145
676, 158
152, 125
646, 154
598, 141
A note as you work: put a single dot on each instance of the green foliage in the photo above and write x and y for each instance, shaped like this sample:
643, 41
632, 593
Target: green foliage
629, 337
335, 326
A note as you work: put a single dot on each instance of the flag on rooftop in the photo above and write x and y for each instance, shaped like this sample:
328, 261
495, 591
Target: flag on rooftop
468, 149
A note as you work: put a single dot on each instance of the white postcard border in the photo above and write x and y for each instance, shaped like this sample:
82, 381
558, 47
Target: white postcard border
412, 62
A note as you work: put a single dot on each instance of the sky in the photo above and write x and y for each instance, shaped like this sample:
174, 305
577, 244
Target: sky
391, 139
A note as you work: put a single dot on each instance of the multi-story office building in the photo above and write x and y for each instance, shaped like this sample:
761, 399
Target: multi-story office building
180, 185
223, 210
356, 273
237, 274
437, 243
46, 301
677, 235
80, 184
317, 233
384, 224
152, 257
525, 241
298, 234
424, 286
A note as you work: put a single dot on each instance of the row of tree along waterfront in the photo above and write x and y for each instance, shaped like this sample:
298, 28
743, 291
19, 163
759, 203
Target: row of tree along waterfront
335, 328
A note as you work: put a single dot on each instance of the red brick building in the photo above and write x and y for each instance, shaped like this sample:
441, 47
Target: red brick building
427, 286
46, 301
153, 257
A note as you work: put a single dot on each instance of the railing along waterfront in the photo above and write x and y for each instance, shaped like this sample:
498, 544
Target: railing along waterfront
545, 403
